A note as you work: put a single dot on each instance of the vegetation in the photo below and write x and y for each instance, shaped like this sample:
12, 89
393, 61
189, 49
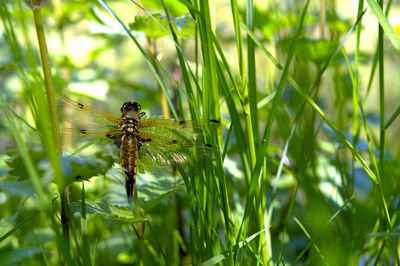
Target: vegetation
308, 161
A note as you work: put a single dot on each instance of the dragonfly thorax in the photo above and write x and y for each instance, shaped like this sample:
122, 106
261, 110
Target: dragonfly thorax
129, 127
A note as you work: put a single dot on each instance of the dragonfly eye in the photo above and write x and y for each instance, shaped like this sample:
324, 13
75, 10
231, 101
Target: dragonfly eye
128, 106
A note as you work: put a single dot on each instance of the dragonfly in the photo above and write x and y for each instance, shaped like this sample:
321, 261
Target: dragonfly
143, 141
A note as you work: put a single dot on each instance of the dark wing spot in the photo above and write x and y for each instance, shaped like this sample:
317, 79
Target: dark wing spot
80, 105
182, 122
214, 121
208, 145
83, 131
144, 140
174, 141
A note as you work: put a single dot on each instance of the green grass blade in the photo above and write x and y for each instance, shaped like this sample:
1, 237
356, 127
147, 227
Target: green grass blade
145, 55
340, 135
220, 257
265, 139
364, 119
392, 118
18, 226
383, 21
312, 243
251, 72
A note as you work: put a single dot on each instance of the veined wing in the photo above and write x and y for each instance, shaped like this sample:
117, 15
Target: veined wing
80, 116
75, 140
160, 151
189, 130
112, 134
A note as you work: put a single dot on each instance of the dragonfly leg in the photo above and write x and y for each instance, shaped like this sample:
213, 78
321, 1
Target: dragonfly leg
117, 140
140, 144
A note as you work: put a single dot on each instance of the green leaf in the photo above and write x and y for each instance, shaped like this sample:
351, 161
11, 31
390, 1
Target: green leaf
40, 236
83, 168
75, 168
273, 20
17, 188
17, 166
14, 256
318, 51
7, 224
152, 193
174, 7
157, 26
107, 210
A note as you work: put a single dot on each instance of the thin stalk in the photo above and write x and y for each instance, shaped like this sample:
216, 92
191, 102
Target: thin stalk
185, 70
239, 132
163, 100
252, 125
251, 71
210, 84
63, 190
141, 225
47, 75
381, 98
268, 128
375, 59
153, 51
323, 18
356, 124
145, 54
243, 76
382, 130
249, 102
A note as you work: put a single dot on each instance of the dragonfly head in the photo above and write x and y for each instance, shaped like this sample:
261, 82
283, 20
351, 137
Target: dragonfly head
130, 106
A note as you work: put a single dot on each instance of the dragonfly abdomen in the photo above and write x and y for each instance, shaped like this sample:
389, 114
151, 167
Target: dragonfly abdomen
129, 156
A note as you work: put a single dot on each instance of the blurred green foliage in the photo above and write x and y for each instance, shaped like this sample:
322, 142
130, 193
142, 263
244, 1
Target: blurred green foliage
157, 26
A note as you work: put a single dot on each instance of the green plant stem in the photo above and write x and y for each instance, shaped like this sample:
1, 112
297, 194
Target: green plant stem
381, 100
139, 230
381, 175
53, 115
323, 18
267, 132
163, 100
252, 125
153, 51
47, 76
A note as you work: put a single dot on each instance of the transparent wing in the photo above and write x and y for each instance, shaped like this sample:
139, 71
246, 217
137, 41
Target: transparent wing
79, 116
189, 130
160, 151
113, 134
74, 138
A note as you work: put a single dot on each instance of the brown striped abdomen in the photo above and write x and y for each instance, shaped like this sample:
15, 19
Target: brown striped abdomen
129, 154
